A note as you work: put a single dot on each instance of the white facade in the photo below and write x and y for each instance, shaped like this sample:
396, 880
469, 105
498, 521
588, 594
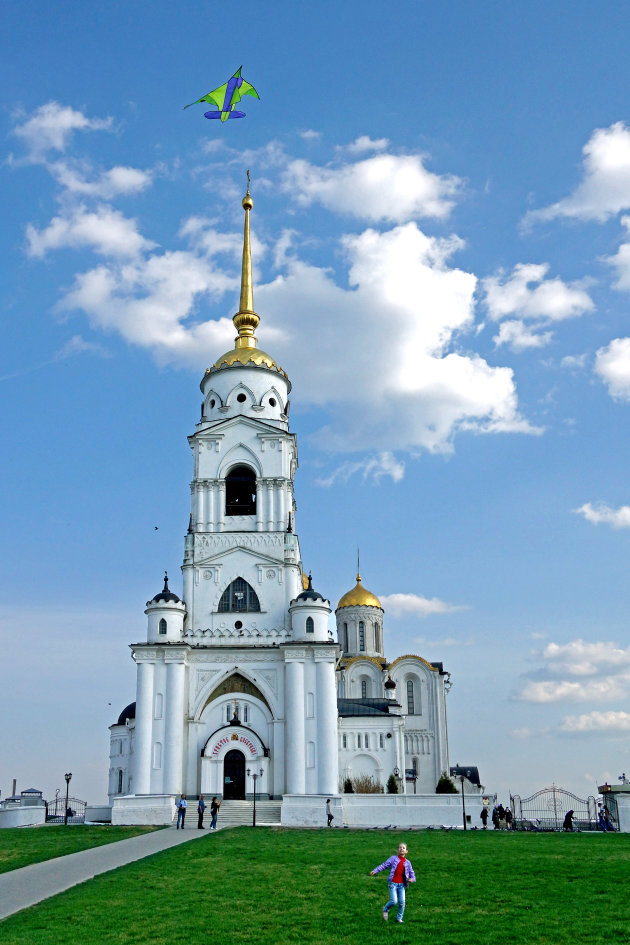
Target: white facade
243, 676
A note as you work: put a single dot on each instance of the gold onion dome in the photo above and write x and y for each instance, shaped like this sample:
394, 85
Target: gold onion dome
359, 596
246, 351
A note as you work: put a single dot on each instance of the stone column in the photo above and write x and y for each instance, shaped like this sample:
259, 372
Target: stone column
211, 515
201, 506
270, 522
143, 729
174, 728
259, 505
281, 505
220, 500
295, 728
277, 755
327, 741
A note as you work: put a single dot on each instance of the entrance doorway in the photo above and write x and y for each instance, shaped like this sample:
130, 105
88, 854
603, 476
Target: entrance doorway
234, 776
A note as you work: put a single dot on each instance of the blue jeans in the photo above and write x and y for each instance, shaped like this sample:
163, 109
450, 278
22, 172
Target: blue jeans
213, 822
181, 816
396, 898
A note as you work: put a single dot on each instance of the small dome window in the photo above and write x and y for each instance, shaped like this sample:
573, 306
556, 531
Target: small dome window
163, 625
241, 398
310, 626
212, 403
238, 624
272, 401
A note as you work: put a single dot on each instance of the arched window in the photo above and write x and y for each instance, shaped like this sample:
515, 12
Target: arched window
378, 638
119, 785
162, 625
410, 698
358, 741
344, 641
364, 688
310, 626
239, 597
240, 491
361, 635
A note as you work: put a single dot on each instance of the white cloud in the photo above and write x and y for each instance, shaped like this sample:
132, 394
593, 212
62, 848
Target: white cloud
75, 179
574, 361
599, 513
605, 186
373, 467
104, 230
621, 261
147, 302
597, 671
580, 658
519, 336
612, 364
401, 388
401, 605
385, 187
52, 125
310, 135
364, 143
78, 345
605, 722
527, 294
569, 690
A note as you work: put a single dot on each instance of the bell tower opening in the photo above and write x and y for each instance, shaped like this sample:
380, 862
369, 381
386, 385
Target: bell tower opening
240, 491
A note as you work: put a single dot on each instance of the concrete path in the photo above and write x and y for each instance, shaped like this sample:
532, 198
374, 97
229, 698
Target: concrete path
30, 884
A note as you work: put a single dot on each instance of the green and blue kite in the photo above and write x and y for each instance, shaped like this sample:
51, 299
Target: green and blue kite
227, 96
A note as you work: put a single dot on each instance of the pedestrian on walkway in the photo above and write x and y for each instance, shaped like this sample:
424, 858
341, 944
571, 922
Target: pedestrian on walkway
200, 809
214, 810
182, 804
400, 875
329, 813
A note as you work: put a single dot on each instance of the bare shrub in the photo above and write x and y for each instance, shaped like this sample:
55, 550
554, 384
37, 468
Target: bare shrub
366, 784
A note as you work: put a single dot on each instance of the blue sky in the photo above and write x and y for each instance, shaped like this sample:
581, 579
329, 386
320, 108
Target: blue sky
442, 253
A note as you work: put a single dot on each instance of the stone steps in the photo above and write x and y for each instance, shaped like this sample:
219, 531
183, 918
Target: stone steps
237, 814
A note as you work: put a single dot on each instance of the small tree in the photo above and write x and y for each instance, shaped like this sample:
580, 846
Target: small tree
445, 785
347, 786
392, 784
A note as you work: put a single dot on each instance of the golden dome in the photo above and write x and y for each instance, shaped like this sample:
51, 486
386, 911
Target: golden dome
246, 357
359, 596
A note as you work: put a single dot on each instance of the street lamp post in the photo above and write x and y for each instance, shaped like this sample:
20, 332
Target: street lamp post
255, 775
68, 778
463, 802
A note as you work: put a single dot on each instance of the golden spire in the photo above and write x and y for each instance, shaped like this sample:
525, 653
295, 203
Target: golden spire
246, 320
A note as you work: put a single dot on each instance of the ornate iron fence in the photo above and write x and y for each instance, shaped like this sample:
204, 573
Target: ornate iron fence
546, 810
56, 811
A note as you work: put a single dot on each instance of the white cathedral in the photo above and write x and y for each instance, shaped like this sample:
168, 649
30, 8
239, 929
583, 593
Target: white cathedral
243, 675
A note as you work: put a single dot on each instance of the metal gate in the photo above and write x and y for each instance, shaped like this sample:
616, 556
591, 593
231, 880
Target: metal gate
56, 811
546, 810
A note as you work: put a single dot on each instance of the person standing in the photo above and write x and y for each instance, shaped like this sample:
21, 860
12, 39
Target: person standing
400, 875
484, 817
200, 809
329, 813
182, 805
214, 810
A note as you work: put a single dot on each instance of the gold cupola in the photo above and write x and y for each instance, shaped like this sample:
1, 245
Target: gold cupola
246, 352
359, 596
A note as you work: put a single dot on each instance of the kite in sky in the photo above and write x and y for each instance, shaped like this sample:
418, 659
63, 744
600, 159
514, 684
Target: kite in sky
227, 96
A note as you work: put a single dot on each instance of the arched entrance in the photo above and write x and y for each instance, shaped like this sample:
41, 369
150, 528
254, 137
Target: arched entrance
234, 776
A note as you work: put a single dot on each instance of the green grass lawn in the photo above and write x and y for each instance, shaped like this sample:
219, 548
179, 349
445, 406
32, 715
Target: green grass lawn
264, 886
21, 846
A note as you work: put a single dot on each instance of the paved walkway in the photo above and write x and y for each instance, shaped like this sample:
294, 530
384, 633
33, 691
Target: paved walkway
30, 884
